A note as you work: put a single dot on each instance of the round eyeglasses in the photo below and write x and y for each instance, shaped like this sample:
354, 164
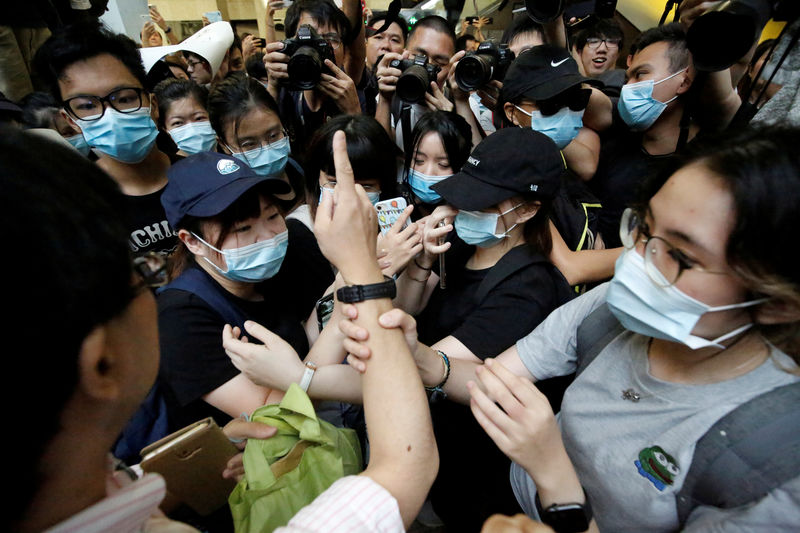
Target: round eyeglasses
89, 107
663, 262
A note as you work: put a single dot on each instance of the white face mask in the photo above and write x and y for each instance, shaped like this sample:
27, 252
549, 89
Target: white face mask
661, 312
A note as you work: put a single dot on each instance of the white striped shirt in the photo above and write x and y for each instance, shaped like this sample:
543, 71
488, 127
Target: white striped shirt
351, 505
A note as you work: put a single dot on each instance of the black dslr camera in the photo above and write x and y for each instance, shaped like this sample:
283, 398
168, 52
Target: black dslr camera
489, 62
416, 78
308, 52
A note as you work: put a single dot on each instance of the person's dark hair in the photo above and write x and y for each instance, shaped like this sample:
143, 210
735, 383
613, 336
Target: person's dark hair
79, 42
255, 66
461, 42
436, 23
38, 109
234, 97
372, 154
378, 18
454, 132
761, 169
519, 26
169, 90
674, 35
537, 230
602, 29
236, 44
247, 206
321, 12
82, 269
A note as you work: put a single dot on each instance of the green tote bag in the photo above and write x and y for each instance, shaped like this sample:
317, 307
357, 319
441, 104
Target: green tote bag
286, 472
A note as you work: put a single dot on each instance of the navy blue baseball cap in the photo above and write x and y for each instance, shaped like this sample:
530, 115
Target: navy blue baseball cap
205, 184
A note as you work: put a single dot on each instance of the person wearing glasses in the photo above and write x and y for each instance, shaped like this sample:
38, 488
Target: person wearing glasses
99, 78
303, 112
248, 127
704, 310
598, 48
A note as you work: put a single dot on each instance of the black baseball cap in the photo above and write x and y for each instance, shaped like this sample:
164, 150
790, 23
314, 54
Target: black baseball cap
542, 72
509, 162
205, 184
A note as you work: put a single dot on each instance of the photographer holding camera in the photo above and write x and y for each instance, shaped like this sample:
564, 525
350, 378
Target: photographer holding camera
306, 75
428, 62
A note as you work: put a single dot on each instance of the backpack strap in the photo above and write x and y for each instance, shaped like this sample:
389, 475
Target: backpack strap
199, 283
748, 452
512, 262
596, 332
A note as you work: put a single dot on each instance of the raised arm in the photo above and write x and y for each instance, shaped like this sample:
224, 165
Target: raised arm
403, 455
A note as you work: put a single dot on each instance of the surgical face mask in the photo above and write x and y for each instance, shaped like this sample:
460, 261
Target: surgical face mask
562, 127
255, 262
126, 137
636, 105
79, 143
194, 137
266, 161
661, 312
421, 186
478, 228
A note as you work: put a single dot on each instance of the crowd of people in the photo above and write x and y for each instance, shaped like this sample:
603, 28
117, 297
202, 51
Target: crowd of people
560, 298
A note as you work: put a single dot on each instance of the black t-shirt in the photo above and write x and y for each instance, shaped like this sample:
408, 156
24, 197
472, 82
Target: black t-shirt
299, 120
193, 362
511, 310
622, 168
149, 229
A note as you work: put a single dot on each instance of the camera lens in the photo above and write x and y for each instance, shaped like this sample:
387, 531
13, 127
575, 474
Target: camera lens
304, 68
473, 72
544, 11
412, 84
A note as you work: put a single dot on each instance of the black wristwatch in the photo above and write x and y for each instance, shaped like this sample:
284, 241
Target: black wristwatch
566, 517
358, 293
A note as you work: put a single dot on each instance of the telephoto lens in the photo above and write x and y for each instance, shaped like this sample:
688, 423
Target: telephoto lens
416, 78
488, 62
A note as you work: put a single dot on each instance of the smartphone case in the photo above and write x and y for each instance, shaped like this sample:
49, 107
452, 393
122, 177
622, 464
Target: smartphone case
389, 211
192, 467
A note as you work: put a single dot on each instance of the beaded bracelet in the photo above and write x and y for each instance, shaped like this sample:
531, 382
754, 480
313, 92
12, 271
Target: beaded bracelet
445, 376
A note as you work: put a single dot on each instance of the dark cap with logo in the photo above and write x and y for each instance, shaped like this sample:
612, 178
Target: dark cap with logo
205, 184
509, 162
542, 72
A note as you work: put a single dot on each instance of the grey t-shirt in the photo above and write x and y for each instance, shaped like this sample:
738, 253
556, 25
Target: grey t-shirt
632, 457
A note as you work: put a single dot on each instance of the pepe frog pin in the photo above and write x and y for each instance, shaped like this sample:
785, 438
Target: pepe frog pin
658, 466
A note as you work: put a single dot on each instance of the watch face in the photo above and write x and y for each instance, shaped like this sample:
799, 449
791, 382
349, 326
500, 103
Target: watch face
567, 518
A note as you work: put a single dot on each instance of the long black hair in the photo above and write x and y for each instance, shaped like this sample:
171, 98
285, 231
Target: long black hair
233, 98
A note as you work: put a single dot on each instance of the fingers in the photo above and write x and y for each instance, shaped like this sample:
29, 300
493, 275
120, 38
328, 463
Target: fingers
457, 57
261, 333
238, 429
337, 72
345, 182
484, 410
397, 227
522, 389
352, 331
356, 363
356, 349
397, 318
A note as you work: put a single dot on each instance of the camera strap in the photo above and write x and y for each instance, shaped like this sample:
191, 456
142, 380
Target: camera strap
405, 124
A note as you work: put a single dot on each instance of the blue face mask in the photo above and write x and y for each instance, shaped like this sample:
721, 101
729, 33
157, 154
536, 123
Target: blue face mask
79, 143
266, 161
421, 186
478, 228
636, 104
660, 312
194, 137
562, 126
255, 262
126, 137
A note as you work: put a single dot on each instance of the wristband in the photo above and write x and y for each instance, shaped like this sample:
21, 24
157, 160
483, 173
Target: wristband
445, 375
420, 266
566, 517
358, 293
307, 375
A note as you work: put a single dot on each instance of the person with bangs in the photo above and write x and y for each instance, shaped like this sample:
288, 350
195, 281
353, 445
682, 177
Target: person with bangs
236, 262
182, 113
248, 127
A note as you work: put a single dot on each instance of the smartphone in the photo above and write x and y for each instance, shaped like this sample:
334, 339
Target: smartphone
213, 16
388, 213
442, 272
280, 4
324, 310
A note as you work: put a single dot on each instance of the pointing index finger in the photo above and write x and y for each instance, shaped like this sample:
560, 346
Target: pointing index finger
345, 182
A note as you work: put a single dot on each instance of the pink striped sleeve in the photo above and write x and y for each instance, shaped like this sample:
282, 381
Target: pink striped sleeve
353, 504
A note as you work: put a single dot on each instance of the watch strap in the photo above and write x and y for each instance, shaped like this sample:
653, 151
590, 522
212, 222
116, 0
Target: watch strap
359, 293
305, 381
